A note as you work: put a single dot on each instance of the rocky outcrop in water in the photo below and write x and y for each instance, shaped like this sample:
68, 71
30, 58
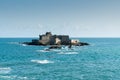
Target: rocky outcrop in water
49, 39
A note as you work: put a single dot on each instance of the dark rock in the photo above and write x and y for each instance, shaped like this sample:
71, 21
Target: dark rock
55, 47
82, 44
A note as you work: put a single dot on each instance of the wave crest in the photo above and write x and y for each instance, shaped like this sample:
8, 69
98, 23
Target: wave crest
42, 61
5, 70
68, 53
13, 77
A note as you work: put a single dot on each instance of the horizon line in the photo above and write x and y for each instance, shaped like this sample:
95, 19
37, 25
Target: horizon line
70, 37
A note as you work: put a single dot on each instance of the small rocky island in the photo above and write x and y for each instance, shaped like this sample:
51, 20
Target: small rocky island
55, 41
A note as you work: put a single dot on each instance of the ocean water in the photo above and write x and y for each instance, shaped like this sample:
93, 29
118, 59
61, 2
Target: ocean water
98, 61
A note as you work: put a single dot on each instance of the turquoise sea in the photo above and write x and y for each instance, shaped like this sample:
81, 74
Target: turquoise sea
98, 61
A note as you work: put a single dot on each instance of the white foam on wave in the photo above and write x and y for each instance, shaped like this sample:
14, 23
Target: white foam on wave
56, 50
17, 43
42, 61
24, 45
14, 77
5, 77
42, 51
5, 70
68, 53
13, 43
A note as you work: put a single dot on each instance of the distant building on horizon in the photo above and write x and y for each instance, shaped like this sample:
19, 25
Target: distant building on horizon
50, 39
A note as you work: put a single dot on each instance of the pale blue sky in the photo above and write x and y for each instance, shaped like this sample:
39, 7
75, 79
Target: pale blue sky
77, 18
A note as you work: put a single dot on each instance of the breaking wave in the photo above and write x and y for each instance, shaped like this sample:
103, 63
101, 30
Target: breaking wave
17, 43
23, 44
13, 77
68, 53
5, 70
42, 61
42, 51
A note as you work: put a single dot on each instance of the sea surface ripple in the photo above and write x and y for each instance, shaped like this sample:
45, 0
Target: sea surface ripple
98, 61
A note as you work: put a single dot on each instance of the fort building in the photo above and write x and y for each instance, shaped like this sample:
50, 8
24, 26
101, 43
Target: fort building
49, 39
